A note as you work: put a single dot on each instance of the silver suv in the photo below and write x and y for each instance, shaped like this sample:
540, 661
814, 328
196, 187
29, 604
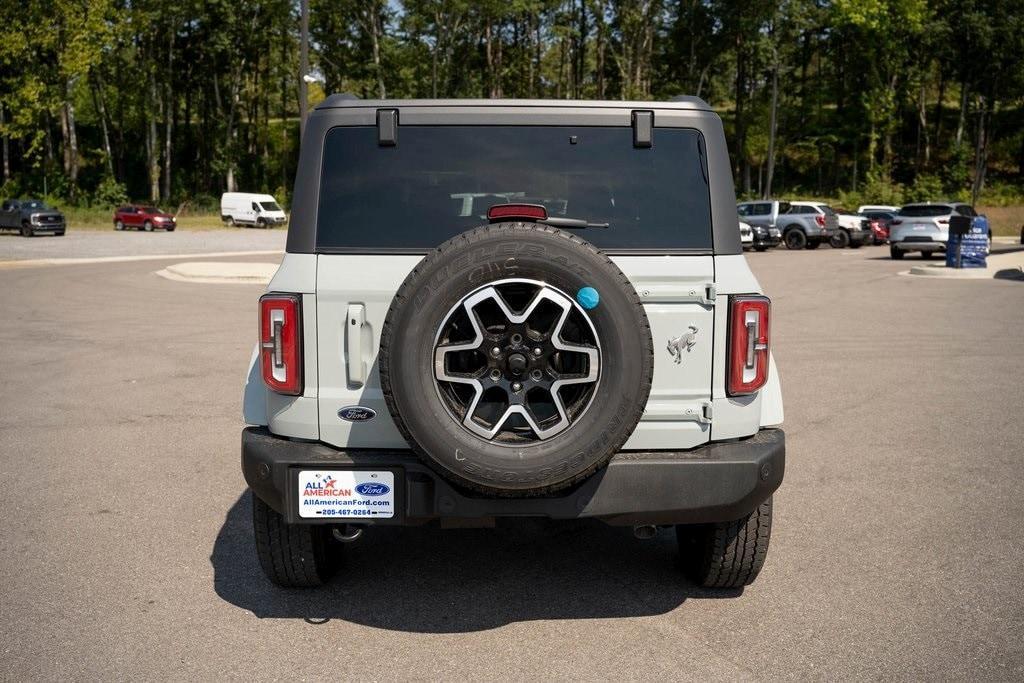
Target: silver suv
493, 309
924, 227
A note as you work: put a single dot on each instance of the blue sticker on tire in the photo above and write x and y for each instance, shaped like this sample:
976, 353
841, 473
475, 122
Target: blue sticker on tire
588, 297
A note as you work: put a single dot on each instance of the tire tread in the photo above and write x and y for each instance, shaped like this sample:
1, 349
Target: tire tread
292, 555
470, 237
727, 554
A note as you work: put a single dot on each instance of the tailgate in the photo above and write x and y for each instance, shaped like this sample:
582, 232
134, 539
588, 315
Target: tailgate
678, 296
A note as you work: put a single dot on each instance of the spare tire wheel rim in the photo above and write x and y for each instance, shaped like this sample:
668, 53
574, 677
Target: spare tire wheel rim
503, 356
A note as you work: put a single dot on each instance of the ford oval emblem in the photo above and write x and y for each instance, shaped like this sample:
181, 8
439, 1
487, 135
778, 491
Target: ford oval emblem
371, 488
357, 413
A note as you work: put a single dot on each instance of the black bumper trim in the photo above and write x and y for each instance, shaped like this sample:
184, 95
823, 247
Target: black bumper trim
713, 483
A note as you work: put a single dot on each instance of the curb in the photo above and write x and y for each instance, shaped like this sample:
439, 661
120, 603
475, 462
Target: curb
30, 263
220, 272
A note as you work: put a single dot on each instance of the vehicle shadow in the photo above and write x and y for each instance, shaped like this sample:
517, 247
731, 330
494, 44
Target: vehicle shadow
431, 580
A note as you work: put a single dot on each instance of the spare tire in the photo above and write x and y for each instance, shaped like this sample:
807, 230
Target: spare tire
516, 359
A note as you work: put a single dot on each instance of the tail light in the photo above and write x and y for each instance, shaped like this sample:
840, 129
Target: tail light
943, 221
281, 342
820, 220
748, 344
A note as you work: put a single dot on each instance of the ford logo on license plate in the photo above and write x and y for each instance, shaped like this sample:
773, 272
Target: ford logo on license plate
372, 489
357, 414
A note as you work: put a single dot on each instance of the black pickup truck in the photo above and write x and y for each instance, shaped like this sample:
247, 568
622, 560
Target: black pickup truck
31, 217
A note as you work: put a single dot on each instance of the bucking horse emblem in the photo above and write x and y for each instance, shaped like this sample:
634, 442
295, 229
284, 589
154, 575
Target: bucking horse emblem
684, 342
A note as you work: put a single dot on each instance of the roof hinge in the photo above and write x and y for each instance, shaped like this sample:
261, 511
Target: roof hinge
387, 127
709, 294
643, 128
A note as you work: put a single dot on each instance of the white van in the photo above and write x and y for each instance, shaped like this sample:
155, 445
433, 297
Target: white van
244, 208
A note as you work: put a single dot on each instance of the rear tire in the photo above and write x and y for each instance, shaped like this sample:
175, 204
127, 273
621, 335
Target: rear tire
926, 255
147, 226
840, 240
895, 254
726, 554
795, 239
293, 555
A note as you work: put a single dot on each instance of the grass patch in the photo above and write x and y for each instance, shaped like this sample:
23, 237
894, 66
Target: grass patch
79, 219
1004, 220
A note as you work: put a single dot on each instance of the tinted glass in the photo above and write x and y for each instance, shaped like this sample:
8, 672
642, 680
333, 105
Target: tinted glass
965, 210
743, 210
439, 181
761, 209
925, 210
270, 206
800, 208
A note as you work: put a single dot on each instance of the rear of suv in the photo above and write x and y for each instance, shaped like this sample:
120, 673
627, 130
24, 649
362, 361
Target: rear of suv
494, 309
924, 227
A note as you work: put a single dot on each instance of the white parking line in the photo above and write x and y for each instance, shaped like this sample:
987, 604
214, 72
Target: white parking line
29, 263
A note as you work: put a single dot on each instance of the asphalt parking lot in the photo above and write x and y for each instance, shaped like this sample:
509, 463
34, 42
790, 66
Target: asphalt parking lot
126, 550
111, 244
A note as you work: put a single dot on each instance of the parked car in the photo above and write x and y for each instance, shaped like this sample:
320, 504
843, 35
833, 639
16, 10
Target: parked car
879, 221
146, 218
746, 236
854, 230
31, 217
245, 208
925, 227
883, 208
415, 365
765, 238
804, 228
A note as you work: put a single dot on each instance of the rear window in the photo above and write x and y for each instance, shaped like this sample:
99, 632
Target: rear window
925, 210
439, 181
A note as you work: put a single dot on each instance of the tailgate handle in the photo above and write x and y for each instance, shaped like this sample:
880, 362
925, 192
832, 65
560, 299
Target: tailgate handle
355, 363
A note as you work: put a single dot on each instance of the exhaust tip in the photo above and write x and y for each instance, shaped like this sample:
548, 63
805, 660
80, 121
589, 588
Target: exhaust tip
347, 533
645, 531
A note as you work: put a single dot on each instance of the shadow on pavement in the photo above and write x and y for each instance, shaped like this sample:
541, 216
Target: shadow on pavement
430, 580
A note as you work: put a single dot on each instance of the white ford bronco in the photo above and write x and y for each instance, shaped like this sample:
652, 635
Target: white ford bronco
493, 309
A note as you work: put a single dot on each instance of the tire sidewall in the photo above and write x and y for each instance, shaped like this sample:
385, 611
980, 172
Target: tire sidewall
795, 239
440, 283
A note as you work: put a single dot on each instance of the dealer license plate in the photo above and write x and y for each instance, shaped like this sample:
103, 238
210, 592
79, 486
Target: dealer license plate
341, 493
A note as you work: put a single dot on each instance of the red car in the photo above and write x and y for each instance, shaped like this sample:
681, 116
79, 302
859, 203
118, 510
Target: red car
143, 218
880, 221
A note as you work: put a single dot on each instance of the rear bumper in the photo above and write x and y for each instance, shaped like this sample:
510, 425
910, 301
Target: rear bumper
918, 244
714, 483
861, 236
767, 239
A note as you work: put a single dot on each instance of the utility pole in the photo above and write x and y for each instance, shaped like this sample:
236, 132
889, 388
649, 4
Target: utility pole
303, 64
